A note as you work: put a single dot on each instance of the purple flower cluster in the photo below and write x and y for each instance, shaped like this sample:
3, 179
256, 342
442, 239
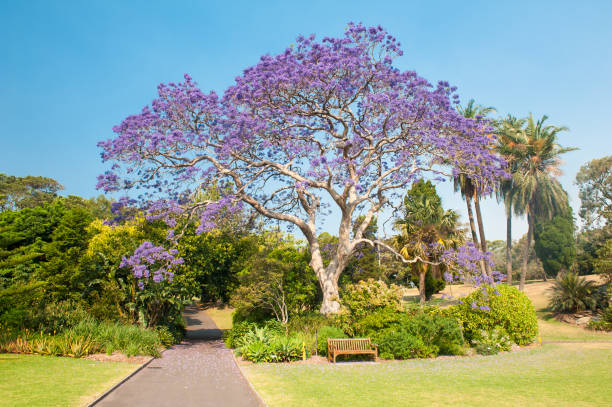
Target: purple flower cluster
152, 263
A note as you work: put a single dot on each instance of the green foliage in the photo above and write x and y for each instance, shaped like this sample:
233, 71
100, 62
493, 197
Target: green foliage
257, 352
213, 260
394, 344
88, 336
589, 242
432, 285
603, 263
425, 223
555, 245
594, 181
491, 343
420, 335
571, 293
129, 339
233, 337
326, 332
267, 343
510, 311
361, 299
276, 281
26, 192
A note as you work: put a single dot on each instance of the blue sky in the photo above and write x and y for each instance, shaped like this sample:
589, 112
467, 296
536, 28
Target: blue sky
71, 70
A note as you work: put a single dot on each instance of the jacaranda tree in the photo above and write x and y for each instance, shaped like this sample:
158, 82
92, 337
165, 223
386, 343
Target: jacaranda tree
327, 126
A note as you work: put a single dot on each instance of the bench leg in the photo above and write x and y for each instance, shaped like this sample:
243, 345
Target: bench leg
335, 356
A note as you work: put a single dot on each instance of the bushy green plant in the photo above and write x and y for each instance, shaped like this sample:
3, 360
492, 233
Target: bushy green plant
328, 332
436, 334
308, 322
400, 344
285, 349
497, 307
257, 352
233, 337
491, 343
571, 293
367, 296
119, 337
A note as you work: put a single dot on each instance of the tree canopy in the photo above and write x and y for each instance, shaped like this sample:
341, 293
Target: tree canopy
328, 124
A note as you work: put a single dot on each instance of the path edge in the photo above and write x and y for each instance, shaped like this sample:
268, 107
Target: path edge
125, 379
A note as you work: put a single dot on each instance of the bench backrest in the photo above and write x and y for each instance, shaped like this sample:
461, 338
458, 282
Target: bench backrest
349, 344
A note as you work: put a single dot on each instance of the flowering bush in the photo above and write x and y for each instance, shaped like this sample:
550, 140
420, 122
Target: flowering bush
491, 343
497, 307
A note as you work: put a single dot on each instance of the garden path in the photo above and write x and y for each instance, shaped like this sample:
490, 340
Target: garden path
197, 372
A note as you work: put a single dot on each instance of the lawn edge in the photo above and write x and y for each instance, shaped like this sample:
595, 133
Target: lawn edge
261, 400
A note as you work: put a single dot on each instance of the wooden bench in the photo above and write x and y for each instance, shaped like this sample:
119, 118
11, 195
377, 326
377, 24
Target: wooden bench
356, 346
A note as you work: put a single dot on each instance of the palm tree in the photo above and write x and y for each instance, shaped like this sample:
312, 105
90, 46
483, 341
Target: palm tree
510, 137
424, 225
535, 190
469, 191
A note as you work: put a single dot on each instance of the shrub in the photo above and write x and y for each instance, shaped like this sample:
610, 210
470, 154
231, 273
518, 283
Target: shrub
365, 297
286, 349
119, 337
604, 322
257, 352
233, 337
501, 307
571, 293
442, 332
377, 320
328, 332
436, 334
308, 322
399, 344
491, 343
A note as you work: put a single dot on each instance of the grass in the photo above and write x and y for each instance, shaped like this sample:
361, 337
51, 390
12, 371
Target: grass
221, 315
31, 380
559, 375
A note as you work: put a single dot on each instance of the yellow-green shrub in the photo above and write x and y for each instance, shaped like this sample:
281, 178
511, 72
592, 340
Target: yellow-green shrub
501, 307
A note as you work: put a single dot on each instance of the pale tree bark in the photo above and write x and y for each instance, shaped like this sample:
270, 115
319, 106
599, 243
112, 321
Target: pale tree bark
526, 250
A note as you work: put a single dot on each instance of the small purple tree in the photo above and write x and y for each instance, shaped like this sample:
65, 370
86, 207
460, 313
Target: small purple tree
324, 125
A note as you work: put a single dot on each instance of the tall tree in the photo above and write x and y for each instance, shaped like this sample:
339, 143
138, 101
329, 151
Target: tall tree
468, 187
26, 192
595, 184
325, 125
535, 191
555, 244
510, 137
426, 229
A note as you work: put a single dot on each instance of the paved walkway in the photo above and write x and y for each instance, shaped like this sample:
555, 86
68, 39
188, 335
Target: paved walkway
198, 372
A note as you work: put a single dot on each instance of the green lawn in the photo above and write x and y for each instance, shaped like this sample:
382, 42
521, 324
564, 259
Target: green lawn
31, 380
222, 316
553, 375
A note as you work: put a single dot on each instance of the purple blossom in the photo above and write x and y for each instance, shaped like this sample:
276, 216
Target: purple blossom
150, 260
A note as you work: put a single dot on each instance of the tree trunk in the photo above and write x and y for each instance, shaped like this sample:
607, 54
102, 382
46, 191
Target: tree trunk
483, 241
422, 273
526, 250
329, 286
468, 201
509, 244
